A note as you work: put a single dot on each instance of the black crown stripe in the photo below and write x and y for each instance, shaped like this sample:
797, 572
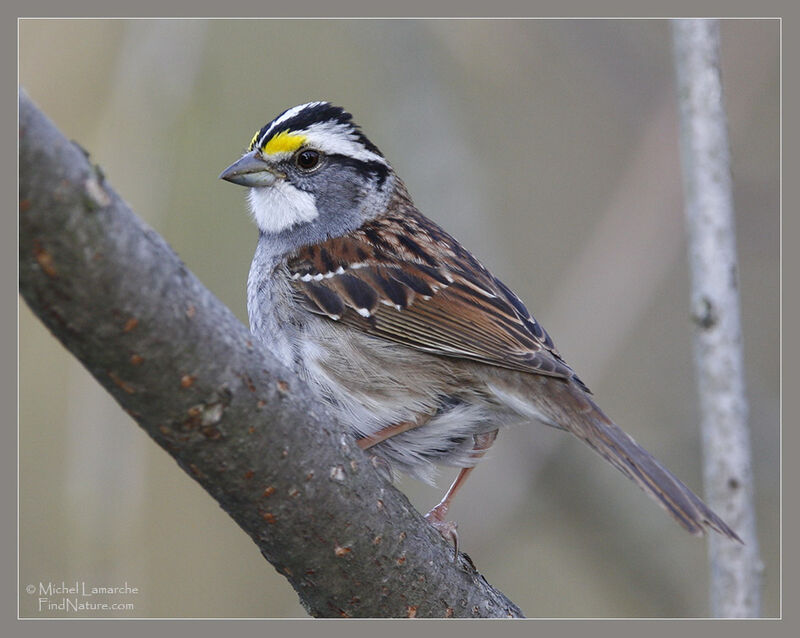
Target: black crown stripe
315, 114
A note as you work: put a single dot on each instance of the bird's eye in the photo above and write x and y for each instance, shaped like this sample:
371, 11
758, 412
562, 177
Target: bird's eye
308, 159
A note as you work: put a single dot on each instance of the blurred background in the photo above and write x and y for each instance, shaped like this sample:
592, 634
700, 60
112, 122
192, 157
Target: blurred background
548, 147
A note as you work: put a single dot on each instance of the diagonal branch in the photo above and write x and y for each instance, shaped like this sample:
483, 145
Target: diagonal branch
249, 431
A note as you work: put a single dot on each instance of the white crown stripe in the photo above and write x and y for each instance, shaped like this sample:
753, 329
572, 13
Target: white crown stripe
341, 139
287, 115
330, 137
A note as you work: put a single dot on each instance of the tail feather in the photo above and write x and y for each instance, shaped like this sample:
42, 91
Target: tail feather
640, 466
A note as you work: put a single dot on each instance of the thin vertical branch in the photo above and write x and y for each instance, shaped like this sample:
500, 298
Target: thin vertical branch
735, 569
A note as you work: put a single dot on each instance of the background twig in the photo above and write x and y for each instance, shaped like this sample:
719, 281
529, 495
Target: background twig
735, 569
178, 361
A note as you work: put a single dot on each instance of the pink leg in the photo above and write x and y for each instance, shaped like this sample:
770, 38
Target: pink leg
387, 433
436, 516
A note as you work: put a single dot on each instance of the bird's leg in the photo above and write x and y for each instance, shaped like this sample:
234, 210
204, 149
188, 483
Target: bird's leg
436, 516
386, 433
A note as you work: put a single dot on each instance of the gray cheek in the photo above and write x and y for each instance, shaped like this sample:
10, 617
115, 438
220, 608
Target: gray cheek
340, 203
345, 191
344, 201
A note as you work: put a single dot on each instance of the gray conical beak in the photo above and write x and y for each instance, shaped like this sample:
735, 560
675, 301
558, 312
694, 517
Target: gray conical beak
250, 170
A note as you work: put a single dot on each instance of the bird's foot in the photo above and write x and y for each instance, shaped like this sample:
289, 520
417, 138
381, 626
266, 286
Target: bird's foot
447, 529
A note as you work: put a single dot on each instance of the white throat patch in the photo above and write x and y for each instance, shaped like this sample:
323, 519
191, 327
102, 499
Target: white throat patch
281, 206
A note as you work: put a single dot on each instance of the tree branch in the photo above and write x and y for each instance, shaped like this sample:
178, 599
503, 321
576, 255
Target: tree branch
728, 477
249, 431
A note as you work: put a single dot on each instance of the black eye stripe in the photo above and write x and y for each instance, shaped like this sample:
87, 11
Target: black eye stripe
365, 167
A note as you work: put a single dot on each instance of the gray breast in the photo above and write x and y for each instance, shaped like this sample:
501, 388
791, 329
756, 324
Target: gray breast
269, 306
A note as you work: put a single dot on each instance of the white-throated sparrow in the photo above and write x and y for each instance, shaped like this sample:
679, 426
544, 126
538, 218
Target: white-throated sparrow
421, 351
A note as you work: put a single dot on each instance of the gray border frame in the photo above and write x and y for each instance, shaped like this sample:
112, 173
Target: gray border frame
8, 462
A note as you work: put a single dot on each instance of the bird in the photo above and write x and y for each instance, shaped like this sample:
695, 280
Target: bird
421, 352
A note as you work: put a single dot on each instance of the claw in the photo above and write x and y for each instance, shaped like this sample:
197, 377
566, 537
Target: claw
382, 466
447, 529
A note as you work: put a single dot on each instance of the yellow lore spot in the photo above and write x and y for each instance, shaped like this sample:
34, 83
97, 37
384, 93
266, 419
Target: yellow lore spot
283, 142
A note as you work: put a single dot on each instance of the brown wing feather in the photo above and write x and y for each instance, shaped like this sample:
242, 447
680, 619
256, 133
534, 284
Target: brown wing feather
439, 299
406, 280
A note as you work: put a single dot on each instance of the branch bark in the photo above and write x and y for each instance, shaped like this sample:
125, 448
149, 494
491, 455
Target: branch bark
250, 432
728, 477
